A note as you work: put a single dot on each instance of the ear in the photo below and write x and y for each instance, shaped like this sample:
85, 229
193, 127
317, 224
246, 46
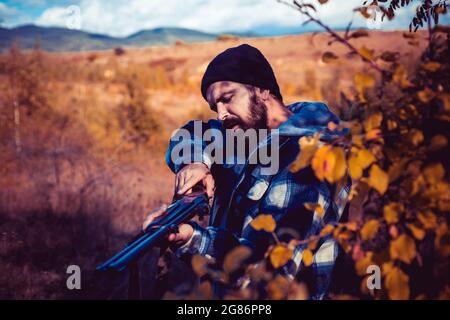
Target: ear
264, 94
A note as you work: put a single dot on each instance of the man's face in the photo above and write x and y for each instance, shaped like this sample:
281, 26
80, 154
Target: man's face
238, 106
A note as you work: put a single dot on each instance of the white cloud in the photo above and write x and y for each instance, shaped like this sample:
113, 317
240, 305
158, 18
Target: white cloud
6, 11
121, 18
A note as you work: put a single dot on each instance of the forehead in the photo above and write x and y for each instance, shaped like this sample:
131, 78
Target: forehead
217, 89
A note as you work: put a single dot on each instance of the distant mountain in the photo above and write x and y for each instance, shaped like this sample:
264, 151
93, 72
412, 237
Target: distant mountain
61, 39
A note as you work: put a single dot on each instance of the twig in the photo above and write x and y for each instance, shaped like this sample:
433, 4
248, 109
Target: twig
336, 36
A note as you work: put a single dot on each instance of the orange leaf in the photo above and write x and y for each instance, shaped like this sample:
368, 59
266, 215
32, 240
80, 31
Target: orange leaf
434, 173
378, 179
323, 162
363, 81
307, 257
362, 264
366, 53
392, 212
199, 265
428, 219
308, 146
360, 160
326, 230
329, 163
280, 255
370, 229
264, 222
417, 232
314, 207
373, 122
397, 284
403, 248
431, 66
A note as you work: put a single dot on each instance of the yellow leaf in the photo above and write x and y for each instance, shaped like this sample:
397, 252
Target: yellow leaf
307, 257
332, 126
323, 162
363, 81
397, 284
392, 212
370, 229
416, 137
278, 288
445, 98
373, 134
403, 248
362, 264
425, 95
329, 163
326, 230
315, 207
400, 76
391, 124
308, 146
417, 232
431, 66
264, 222
438, 142
387, 267
280, 255
373, 122
340, 166
378, 179
354, 169
199, 265
366, 53
359, 160
235, 258
396, 170
434, 173
365, 158
428, 219
441, 231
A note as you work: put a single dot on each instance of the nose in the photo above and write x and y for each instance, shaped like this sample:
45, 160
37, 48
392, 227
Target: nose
222, 112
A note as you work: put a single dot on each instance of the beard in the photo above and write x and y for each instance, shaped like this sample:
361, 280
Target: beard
257, 118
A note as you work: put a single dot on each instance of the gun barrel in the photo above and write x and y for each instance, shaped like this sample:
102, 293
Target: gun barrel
177, 213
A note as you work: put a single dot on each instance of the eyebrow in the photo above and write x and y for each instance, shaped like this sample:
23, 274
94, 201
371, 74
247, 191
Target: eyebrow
231, 91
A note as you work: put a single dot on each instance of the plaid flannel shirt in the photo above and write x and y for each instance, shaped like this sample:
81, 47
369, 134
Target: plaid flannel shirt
243, 192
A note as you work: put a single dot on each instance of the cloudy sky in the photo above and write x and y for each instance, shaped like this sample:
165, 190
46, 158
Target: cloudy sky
124, 17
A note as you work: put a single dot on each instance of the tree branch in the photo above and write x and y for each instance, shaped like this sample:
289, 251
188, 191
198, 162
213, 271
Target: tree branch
299, 7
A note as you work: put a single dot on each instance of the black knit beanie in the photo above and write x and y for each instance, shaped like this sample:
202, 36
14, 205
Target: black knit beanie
244, 64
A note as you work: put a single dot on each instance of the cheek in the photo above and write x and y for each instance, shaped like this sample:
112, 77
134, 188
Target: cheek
241, 108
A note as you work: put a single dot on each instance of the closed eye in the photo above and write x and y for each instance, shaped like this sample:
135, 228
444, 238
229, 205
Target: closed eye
226, 99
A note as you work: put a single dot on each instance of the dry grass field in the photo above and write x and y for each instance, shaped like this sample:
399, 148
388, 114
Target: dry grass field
83, 135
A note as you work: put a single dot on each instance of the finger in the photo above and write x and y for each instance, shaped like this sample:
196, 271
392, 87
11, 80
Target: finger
177, 182
209, 184
181, 181
189, 184
153, 215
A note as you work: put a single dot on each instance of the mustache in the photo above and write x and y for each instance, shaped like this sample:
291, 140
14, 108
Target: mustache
229, 123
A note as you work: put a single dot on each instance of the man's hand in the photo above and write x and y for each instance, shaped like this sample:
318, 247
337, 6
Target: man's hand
184, 233
192, 174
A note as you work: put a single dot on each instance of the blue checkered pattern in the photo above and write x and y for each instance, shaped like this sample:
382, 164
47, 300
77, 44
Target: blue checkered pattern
243, 192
